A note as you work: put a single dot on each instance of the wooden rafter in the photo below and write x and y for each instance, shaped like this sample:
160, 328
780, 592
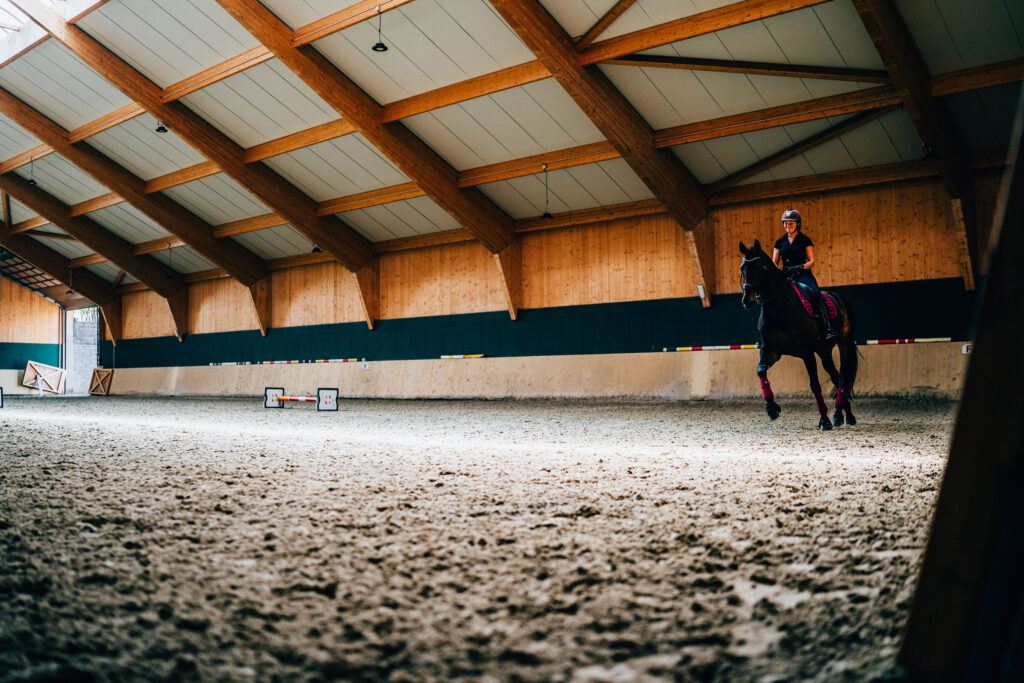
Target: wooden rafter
910, 78
176, 219
796, 149
735, 14
89, 285
471, 208
602, 24
670, 182
338, 239
756, 68
144, 268
342, 19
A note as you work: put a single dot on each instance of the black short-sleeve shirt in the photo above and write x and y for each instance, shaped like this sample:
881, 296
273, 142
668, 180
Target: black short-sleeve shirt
795, 253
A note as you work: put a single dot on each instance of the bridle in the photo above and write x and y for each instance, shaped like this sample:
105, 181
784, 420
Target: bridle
758, 293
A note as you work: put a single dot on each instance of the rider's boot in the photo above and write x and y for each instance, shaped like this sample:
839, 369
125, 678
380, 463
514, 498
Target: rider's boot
829, 334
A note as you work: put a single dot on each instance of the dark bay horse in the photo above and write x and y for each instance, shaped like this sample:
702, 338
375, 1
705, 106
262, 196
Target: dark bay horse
787, 328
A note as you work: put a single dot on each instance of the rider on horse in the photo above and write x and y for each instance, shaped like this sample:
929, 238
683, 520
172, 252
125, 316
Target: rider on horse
795, 251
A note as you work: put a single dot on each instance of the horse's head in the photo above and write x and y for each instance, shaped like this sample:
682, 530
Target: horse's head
758, 273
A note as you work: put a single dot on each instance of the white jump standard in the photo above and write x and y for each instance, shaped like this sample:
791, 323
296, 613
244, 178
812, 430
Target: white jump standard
325, 399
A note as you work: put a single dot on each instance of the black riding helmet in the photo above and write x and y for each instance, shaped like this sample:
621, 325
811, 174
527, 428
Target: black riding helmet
792, 215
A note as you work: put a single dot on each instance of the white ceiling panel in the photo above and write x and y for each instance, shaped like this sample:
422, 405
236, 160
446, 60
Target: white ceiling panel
20, 212
985, 117
337, 168
183, 260
672, 97
512, 124
217, 199
168, 41
127, 222
432, 43
276, 242
66, 248
260, 104
577, 16
59, 177
888, 139
954, 34
53, 81
109, 272
14, 140
582, 187
137, 146
408, 218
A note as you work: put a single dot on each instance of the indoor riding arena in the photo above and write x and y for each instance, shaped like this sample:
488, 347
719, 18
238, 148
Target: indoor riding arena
430, 340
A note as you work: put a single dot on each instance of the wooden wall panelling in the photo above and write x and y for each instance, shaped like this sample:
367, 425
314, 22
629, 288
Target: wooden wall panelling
624, 260
222, 305
889, 233
27, 318
145, 314
444, 280
317, 294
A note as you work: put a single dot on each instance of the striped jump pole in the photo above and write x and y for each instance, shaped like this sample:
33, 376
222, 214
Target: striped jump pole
325, 399
463, 355
910, 340
726, 347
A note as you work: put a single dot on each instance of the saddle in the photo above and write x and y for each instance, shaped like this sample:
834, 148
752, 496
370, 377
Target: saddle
805, 294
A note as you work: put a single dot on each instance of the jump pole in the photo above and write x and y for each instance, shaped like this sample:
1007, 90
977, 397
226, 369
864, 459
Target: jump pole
325, 399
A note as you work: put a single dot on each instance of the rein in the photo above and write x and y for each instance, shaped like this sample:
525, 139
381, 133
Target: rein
746, 286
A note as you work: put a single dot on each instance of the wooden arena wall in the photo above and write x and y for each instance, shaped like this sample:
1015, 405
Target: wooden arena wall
616, 287
29, 330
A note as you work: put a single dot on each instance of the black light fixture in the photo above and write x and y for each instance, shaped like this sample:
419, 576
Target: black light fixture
379, 46
71, 274
160, 127
316, 249
546, 213
170, 262
31, 172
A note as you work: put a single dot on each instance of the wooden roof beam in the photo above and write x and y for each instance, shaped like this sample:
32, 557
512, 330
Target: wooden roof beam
89, 285
910, 78
146, 269
471, 208
667, 178
341, 241
176, 219
756, 68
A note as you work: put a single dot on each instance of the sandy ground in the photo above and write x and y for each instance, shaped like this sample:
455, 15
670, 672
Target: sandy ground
149, 539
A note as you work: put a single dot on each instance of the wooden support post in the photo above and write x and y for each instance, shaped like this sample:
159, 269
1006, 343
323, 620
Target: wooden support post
177, 303
968, 612
701, 243
368, 285
260, 296
967, 257
111, 313
510, 267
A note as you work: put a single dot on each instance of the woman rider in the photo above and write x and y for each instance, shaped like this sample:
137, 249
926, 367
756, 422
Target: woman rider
794, 253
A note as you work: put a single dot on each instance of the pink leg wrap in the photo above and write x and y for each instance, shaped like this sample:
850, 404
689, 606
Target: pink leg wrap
822, 409
841, 399
766, 389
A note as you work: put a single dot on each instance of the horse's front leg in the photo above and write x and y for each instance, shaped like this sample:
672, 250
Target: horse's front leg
768, 359
812, 373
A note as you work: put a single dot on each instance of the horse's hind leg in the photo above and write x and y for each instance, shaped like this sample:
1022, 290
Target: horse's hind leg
812, 373
770, 406
837, 381
848, 362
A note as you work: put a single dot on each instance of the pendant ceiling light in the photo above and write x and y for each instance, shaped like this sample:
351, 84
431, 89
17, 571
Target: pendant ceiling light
546, 213
379, 46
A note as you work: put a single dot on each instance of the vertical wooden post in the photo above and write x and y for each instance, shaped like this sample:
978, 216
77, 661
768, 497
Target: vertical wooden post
178, 305
967, 619
260, 296
701, 243
368, 285
510, 267
111, 313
